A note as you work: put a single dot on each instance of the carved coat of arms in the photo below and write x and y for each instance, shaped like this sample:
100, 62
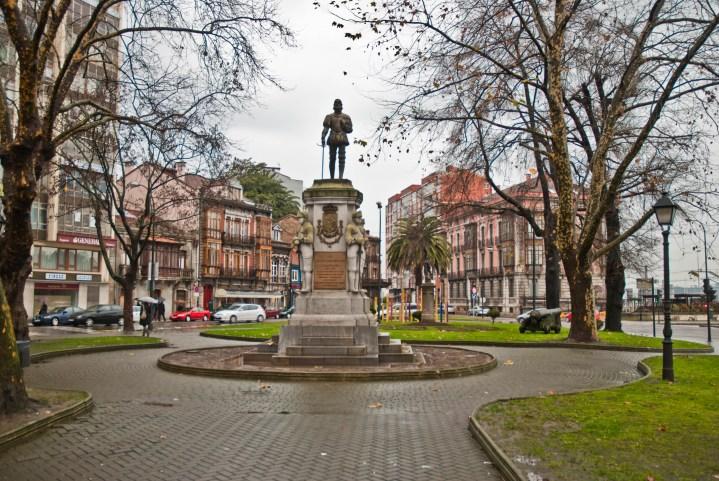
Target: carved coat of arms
329, 228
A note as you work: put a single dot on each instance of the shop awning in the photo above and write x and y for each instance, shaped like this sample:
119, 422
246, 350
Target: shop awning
224, 293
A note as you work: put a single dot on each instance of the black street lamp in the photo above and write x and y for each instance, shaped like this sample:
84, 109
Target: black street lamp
379, 260
664, 210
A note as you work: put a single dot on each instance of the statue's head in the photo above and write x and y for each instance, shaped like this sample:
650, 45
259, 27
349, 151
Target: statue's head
304, 215
337, 106
357, 217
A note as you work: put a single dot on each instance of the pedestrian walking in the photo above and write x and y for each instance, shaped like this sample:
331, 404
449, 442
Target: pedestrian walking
146, 318
43, 309
161, 310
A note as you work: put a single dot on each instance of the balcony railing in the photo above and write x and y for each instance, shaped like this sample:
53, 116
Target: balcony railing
454, 276
168, 272
236, 273
237, 239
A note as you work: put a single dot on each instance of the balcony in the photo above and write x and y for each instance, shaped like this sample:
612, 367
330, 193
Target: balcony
169, 273
237, 239
455, 276
237, 273
490, 272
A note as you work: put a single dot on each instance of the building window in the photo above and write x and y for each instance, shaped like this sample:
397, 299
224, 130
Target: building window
53, 258
276, 233
510, 286
535, 255
500, 288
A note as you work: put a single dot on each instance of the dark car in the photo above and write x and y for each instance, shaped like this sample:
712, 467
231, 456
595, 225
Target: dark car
287, 312
99, 314
59, 316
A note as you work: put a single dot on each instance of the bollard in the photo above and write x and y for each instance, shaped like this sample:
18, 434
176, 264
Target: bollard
23, 349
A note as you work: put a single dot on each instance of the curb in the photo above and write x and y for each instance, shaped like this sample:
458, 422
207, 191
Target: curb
573, 345
18, 435
308, 375
89, 350
509, 471
565, 345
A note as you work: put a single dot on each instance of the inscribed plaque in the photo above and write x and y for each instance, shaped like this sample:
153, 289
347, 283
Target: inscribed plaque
330, 270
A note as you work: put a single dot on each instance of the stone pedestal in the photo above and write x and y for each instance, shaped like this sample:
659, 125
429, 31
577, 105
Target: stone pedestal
332, 324
427, 302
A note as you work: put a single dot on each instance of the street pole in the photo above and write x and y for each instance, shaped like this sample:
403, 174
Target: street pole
706, 287
534, 274
654, 319
379, 255
667, 355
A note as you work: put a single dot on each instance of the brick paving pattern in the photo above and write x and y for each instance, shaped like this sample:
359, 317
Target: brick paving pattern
153, 425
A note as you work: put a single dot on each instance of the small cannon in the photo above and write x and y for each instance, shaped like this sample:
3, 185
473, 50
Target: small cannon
546, 320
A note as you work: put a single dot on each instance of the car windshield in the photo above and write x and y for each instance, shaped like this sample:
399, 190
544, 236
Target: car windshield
234, 307
93, 308
58, 309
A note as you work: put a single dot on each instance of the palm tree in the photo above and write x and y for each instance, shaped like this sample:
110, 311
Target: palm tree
419, 241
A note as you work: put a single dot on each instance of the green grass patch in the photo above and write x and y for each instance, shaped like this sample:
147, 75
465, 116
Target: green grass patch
255, 330
509, 332
42, 403
63, 344
460, 331
650, 430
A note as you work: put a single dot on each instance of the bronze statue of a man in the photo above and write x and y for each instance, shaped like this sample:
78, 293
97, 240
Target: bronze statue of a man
339, 125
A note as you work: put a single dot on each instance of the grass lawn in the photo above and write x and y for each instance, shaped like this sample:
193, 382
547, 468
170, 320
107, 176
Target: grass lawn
650, 430
52, 345
262, 330
43, 403
461, 331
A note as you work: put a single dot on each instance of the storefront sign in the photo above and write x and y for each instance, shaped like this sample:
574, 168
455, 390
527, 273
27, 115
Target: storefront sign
55, 276
56, 286
83, 277
83, 240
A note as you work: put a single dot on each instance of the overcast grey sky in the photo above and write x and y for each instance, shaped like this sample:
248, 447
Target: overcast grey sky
285, 131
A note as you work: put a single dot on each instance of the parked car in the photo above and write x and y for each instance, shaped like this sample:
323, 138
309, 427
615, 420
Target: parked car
599, 317
99, 314
272, 312
287, 312
409, 309
59, 316
241, 313
478, 311
192, 314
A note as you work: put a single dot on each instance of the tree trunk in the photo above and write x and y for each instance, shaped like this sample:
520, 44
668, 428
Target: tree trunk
20, 189
614, 280
553, 270
13, 396
128, 288
583, 327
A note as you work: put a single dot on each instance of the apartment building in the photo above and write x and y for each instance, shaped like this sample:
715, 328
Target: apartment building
438, 194
496, 260
67, 267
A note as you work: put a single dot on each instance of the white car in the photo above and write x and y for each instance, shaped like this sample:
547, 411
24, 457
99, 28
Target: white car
478, 311
241, 313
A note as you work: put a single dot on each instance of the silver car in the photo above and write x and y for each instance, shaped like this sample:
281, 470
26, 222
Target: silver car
241, 313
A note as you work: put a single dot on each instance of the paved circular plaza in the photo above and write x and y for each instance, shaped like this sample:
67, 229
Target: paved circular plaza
149, 424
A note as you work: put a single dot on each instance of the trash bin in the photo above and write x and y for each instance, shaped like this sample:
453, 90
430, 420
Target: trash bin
23, 349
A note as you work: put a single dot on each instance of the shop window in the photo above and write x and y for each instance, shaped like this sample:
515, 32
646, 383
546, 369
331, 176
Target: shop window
48, 258
93, 295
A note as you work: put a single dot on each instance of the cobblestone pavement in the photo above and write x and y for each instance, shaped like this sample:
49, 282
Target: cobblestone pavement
154, 425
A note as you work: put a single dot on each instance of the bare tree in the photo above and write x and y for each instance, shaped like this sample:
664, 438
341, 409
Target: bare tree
63, 92
587, 89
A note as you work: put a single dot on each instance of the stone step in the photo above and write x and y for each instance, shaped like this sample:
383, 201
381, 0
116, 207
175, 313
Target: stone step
328, 331
327, 341
368, 360
383, 338
326, 350
387, 348
397, 357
